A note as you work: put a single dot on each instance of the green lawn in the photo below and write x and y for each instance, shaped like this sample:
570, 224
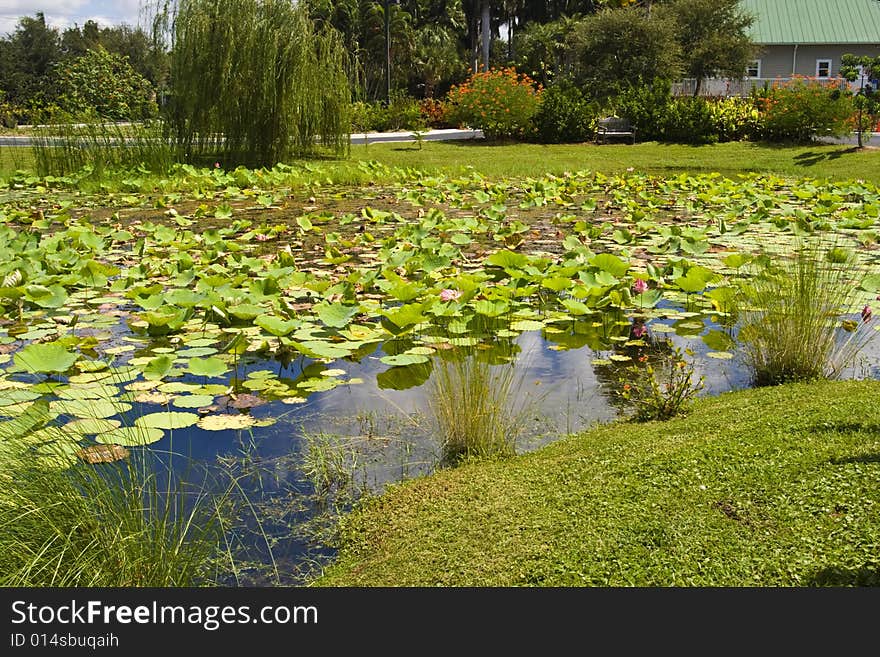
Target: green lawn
518, 160
772, 486
818, 161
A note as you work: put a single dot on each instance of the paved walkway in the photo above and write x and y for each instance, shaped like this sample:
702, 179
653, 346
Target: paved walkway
356, 139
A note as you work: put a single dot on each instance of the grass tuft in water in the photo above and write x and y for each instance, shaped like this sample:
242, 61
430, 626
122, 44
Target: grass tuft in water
64, 522
475, 408
793, 319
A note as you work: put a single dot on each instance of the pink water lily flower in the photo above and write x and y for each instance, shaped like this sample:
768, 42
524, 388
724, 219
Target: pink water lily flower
449, 295
640, 286
866, 313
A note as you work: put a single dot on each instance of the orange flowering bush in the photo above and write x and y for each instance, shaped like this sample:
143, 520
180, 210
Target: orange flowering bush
500, 102
804, 108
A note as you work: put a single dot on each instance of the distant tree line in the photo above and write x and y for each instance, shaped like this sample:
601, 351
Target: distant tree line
117, 71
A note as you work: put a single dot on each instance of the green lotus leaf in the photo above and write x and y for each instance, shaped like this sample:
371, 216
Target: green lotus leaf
167, 420
131, 436
207, 367
404, 359
335, 315
610, 263
45, 358
193, 401
507, 259
158, 367
275, 325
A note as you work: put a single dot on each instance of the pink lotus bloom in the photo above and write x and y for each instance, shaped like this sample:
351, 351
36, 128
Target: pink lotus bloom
639, 330
449, 295
640, 286
866, 313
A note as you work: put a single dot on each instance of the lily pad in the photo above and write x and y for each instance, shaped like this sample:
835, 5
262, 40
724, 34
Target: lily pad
226, 422
45, 358
209, 367
131, 436
167, 420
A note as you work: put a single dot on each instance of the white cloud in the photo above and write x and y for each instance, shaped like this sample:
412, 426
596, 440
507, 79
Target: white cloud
63, 13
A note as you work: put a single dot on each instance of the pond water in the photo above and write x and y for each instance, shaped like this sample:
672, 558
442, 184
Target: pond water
290, 346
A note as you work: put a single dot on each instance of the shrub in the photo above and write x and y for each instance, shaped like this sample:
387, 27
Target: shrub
402, 113
565, 116
801, 109
661, 390
736, 119
434, 114
646, 106
499, 102
106, 84
793, 326
689, 121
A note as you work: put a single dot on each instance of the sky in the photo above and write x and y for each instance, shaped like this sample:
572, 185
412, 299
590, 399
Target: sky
63, 13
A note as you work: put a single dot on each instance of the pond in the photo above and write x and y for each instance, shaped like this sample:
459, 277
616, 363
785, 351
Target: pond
287, 335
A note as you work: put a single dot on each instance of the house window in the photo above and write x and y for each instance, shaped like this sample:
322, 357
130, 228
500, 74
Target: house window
823, 68
753, 70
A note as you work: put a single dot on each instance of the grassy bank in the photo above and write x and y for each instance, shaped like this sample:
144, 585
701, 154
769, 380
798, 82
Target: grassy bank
730, 159
521, 160
773, 486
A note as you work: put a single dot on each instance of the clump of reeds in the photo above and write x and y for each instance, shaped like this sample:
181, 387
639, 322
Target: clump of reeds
109, 524
794, 317
477, 408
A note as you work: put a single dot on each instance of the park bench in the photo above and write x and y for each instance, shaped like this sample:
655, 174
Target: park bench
613, 126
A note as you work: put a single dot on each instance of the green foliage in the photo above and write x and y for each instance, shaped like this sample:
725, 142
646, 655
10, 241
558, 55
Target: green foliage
646, 106
735, 119
106, 84
499, 102
261, 75
803, 109
622, 48
565, 116
714, 38
473, 405
689, 121
793, 318
661, 390
544, 50
867, 100
402, 113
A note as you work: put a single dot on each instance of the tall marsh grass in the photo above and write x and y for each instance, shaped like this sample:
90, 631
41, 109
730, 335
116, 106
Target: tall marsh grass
794, 325
69, 146
107, 524
477, 407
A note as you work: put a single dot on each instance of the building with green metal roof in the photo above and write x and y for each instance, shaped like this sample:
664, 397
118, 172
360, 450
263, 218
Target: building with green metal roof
809, 37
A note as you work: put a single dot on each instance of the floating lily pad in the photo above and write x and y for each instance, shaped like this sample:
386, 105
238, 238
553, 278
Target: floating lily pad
226, 422
404, 359
48, 357
192, 401
90, 408
131, 436
91, 426
167, 420
209, 367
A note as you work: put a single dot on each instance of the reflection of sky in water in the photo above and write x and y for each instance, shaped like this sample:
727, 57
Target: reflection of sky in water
388, 433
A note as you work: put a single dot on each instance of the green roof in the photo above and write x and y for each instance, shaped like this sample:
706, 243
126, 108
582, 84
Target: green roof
814, 21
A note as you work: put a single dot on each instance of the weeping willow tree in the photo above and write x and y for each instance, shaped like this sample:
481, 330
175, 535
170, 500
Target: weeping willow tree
254, 82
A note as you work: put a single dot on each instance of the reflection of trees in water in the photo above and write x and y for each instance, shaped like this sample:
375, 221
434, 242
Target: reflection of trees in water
641, 346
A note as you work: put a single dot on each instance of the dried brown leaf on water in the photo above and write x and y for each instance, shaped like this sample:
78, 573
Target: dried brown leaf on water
102, 453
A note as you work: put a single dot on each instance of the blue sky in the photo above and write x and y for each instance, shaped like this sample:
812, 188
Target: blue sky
62, 13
